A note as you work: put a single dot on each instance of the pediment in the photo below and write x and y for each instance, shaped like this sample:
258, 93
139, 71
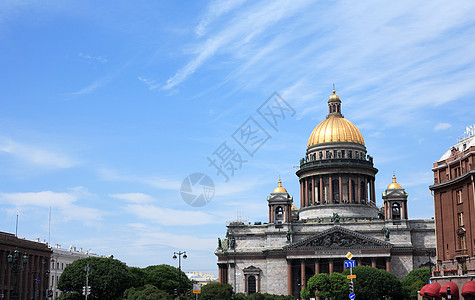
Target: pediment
338, 237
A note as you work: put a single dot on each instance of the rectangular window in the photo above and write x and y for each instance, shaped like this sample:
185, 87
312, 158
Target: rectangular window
343, 153
459, 197
460, 217
350, 154
462, 242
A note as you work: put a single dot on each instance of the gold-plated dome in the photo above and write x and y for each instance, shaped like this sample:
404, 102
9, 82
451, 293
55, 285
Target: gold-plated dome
394, 184
280, 189
293, 207
334, 96
335, 129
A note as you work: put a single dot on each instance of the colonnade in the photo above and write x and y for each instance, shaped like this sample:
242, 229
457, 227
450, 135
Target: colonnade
336, 188
317, 265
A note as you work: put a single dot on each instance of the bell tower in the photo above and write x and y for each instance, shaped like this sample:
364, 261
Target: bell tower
395, 202
280, 206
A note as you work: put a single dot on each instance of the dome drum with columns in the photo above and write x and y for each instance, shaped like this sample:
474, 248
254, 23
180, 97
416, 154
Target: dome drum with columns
337, 171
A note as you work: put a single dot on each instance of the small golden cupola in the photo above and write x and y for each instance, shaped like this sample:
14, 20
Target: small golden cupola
280, 189
394, 184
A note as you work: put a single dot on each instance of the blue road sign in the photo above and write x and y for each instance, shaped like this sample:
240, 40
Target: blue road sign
352, 296
350, 263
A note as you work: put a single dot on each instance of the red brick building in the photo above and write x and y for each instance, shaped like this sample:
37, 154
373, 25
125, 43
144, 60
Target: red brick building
454, 203
24, 268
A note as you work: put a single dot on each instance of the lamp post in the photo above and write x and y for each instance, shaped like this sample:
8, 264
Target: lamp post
179, 253
16, 264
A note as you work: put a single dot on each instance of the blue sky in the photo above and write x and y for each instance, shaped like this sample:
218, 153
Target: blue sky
107, 106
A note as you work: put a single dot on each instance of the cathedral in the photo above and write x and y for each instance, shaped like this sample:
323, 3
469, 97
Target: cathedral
337, 214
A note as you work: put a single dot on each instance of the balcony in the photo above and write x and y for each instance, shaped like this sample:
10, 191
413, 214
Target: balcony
335, 161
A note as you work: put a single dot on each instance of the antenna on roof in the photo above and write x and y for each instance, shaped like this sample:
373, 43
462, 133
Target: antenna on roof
16, 228
333, 86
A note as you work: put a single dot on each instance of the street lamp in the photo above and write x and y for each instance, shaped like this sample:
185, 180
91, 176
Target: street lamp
15, 264
179, 253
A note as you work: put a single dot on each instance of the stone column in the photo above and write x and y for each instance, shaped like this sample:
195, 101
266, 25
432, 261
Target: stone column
305, 198
330, 184
303, 282
313, 190
270, 214
403, 210
373, 262
358, 197
350, 191
301, 193
317, 266
289, 277
388, 264
330, 266
321, 189
373, 192
340, 188
366, 189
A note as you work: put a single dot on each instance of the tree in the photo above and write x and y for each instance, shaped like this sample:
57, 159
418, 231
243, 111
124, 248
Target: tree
373, 284
216, 290
137, 276
108, 278
414, 281
322, 285
147, 292
165, 278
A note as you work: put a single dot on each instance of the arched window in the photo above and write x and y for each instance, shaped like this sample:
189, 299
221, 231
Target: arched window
251, 284
279, 214
396, 211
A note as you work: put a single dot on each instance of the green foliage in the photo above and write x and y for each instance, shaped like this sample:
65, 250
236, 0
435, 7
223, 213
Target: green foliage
71, 296
259, 296
137, 276
165, 278
373, 284
414, 281
147, 292
216, 290
108, 278
333, 286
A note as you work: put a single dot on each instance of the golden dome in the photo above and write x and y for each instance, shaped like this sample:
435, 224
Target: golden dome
335, 129
293, 207
279, 189
334, 96
394, 184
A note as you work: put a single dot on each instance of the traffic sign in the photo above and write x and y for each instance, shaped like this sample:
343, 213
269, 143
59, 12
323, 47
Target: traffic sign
349, 255
352, 296
351, 276
350, 263
196, 288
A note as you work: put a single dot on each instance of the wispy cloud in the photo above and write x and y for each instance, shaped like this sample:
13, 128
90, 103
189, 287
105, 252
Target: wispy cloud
170, 217
243, 31
93, 58
152, 84
36, 155
215, 10
134, 197
64, 202
159, 182
442, 126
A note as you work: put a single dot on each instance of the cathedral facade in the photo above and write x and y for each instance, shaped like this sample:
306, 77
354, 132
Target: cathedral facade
337, 214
